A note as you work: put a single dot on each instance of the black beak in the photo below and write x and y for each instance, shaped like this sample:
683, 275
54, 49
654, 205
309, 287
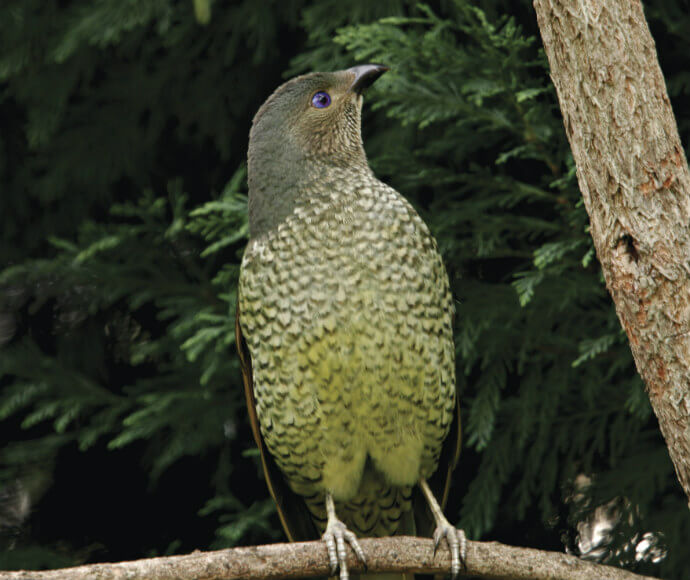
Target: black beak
365, 75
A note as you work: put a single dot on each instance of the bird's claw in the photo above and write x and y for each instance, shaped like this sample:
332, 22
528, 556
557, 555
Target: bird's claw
457, 544
335, 536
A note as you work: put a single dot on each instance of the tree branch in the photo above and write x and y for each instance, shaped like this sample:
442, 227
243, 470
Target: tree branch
634, 180
310, 559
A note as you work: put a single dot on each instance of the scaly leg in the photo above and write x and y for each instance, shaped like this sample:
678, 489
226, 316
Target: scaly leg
455, 538
335, 536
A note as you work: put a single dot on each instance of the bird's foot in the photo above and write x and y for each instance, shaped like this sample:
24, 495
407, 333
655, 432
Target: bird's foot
335, 536
455, 538
457, 544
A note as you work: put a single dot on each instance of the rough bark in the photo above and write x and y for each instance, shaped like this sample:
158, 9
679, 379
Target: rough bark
310, 560
634, 179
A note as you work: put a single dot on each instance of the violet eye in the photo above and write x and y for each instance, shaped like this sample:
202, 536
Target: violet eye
321, 100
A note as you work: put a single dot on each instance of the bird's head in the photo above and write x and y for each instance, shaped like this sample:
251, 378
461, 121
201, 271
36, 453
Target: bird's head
309, 124
315, 117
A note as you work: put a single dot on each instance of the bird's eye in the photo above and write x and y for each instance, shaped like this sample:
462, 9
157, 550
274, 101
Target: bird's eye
321, 100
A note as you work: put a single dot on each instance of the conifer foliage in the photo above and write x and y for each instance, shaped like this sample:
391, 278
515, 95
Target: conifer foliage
123, 129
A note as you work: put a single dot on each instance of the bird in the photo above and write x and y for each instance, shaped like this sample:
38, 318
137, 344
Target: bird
344, 326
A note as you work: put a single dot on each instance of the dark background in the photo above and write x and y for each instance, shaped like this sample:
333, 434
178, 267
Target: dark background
123, 132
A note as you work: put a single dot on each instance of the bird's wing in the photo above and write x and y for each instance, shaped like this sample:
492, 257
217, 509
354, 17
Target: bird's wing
292, 510
450, 455
440, 481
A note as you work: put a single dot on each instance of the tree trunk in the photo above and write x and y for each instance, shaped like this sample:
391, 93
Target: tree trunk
634, 178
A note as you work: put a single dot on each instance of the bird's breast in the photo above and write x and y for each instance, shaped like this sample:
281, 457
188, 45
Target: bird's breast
347, 315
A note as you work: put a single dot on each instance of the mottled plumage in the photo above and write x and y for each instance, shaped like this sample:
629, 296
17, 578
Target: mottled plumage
346, 310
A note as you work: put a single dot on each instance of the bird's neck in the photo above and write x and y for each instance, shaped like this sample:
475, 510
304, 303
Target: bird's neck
284, 181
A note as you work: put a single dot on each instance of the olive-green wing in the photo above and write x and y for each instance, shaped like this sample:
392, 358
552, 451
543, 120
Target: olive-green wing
292, 510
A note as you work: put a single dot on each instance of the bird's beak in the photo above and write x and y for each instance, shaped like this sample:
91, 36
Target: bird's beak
365, 75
